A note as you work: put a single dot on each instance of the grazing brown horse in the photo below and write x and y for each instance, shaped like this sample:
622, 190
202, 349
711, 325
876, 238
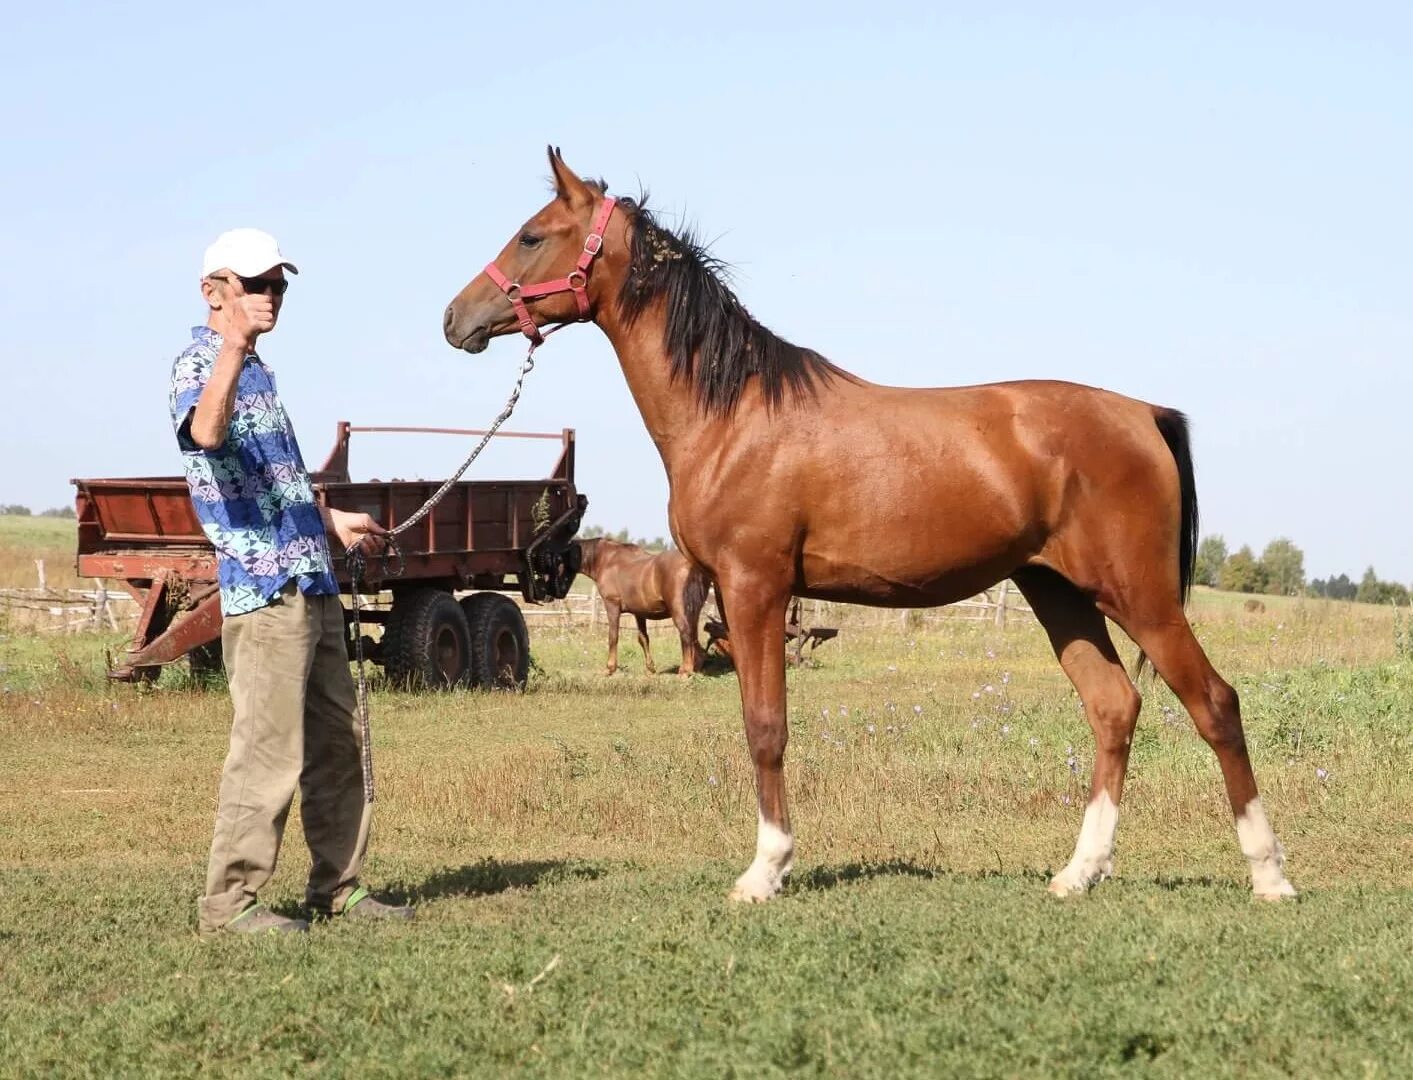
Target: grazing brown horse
647, 585
789, 475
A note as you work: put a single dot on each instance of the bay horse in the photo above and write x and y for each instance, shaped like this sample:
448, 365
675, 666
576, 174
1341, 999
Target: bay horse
647, 585
789, 475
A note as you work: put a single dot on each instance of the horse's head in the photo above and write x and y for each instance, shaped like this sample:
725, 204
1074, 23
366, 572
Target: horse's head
544, 274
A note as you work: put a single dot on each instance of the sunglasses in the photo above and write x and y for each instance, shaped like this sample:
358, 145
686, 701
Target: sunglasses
255, 286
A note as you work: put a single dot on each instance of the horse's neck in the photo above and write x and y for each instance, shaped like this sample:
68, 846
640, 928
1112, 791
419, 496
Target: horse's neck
668, 409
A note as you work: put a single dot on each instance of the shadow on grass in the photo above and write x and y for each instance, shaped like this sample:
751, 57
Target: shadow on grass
491, 876
829, 877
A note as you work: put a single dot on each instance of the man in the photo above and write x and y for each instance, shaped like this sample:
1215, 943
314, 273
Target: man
283, 636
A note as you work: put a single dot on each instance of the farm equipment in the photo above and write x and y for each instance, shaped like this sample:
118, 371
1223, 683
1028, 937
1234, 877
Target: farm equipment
491, 536
798, 637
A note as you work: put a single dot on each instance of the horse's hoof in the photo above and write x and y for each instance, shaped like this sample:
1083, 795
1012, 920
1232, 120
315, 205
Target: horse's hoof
1076, 882
743, 895
754, 888
1284, 891
609, 672
1064, 887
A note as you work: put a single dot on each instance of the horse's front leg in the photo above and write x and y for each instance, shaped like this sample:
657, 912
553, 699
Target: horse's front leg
758, 650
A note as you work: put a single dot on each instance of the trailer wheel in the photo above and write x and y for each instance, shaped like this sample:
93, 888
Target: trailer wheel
500, 642
426, 642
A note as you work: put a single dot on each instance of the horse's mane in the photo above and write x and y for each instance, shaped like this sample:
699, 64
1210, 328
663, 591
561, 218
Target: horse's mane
713, 342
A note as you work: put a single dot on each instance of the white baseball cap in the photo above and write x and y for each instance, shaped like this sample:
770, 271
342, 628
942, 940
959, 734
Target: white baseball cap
247, 252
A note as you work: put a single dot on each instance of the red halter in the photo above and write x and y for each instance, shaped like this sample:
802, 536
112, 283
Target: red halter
576, 281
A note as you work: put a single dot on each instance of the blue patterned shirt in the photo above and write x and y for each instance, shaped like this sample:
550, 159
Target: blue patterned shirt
252, 494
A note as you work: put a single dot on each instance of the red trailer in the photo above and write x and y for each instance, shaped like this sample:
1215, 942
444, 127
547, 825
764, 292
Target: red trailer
492, 536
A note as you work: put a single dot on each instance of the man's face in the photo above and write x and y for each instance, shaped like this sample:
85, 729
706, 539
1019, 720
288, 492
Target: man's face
224, 288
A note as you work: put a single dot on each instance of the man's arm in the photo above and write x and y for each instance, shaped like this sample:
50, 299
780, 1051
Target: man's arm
212, 416
243, 319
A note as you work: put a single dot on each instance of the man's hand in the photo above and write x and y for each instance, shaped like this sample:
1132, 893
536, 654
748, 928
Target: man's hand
247, 316
355, 529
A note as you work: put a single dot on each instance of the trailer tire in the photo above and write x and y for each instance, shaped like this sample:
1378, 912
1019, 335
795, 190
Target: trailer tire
426, 642
500, 642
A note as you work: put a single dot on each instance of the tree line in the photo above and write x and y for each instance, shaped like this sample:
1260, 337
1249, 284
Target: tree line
1280, 571
16, 510
594, 532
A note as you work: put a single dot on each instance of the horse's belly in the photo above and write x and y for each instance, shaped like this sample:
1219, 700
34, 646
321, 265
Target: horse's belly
888, 575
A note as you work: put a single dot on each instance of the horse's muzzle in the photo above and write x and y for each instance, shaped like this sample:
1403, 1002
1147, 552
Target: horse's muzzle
473, 341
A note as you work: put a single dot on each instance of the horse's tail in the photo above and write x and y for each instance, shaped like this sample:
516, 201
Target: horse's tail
1172, 425
694, 594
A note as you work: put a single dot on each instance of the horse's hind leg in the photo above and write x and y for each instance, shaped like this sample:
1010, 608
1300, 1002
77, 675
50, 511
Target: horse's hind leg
686, 623
643, 644
1081, 641
1168, 640
612, 611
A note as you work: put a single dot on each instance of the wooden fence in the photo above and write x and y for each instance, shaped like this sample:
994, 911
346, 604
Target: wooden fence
72, 610
997, 605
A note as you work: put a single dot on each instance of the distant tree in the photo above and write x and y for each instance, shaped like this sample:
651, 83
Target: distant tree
15, 510
1373, 591
1335, 588
622, 536
1211, 553
59, 512
1242, 572
1341, 588
1284, 567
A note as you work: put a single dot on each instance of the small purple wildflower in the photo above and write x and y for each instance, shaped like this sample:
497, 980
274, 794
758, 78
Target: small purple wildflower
1321, 774
917, 710
712, 781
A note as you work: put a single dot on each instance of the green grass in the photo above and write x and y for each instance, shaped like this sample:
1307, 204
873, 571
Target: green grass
570, 850
20, 533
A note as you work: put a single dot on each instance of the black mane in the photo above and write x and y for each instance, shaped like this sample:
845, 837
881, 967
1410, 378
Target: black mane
713, 341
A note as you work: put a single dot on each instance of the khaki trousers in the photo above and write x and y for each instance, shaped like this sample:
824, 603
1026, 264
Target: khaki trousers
296, 726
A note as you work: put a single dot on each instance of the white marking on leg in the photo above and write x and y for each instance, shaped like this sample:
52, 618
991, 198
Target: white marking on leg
1093, 858
1263, 851
775, 855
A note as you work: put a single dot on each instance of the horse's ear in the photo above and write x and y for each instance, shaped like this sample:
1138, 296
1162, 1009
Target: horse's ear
570, 189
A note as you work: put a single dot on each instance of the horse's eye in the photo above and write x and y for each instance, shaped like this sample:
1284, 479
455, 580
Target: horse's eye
529, 240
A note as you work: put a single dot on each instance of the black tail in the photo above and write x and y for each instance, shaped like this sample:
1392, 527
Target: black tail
694, 594
1172, 425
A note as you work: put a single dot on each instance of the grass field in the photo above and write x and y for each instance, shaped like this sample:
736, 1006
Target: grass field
570, 849
25, 539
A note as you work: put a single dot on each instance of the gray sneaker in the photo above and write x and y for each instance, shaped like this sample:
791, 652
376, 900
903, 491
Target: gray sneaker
258, 919
361, 904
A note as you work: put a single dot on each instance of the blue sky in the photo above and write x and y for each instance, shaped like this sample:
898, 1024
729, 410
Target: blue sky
1201, 205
